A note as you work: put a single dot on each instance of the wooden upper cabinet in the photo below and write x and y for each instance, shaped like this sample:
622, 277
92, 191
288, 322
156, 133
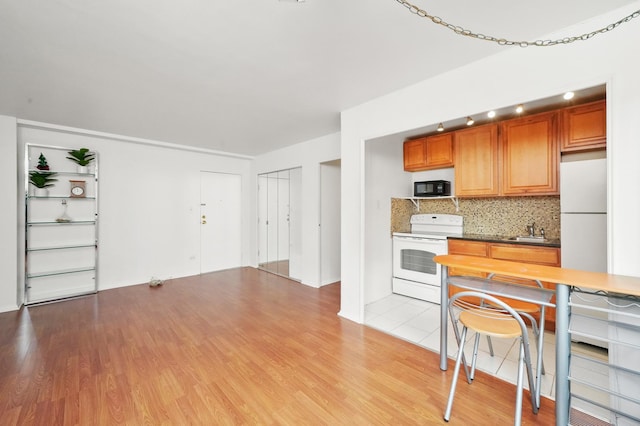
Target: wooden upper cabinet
440, 150
476, 160
415, 155
530, 155
584, 127
431, 152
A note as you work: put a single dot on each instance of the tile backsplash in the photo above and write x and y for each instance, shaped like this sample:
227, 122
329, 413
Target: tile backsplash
505, 216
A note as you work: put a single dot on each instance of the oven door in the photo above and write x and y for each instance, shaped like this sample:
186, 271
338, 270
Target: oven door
413, 259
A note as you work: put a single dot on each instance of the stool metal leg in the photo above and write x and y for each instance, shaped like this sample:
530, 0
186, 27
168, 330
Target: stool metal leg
536, 333
456, 332
539, 361
533, 390
476, 344
518, 415
490, 345
454, 381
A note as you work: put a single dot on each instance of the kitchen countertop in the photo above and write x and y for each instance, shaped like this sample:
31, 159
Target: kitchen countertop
505, 240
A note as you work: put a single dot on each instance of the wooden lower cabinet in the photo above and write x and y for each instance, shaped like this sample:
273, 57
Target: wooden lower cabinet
514, 252
468, 248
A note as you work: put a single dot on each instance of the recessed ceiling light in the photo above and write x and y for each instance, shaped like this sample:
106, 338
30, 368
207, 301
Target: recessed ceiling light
491, 114
519, 108
568, 95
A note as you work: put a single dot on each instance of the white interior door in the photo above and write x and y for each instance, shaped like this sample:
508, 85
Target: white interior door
220, 221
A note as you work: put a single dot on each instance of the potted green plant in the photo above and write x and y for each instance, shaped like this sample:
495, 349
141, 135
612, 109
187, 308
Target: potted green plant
42, 180
82, 157
42, 163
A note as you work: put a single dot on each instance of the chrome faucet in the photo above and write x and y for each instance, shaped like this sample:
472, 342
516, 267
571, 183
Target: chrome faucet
531, 229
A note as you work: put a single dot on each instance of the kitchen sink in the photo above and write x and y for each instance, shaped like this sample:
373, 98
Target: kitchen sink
529, 239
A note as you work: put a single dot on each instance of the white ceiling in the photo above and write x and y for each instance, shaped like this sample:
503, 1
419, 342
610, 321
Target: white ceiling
241, 76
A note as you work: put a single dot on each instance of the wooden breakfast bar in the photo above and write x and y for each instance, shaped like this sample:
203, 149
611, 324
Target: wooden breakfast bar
563, 278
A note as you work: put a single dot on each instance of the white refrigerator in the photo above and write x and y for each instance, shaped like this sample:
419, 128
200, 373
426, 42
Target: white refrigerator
583, 223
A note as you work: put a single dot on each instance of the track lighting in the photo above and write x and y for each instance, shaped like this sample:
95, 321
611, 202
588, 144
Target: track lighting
440, 127
491, 114
568, 95
470, 121
519, 108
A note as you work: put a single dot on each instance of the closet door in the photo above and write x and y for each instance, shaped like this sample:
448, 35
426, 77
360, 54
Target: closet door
279, 223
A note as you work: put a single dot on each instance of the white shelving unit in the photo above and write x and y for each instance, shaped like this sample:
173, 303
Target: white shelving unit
612, 392
61, 230
416, 200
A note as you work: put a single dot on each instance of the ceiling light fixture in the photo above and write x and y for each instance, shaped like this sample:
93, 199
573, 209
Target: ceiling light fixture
491, 114
440, 127
519, 108
568, 95
470, 121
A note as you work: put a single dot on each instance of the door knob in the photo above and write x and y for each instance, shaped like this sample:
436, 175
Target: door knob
204, 222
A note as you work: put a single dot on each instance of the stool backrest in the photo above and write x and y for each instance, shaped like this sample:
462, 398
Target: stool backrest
490, 307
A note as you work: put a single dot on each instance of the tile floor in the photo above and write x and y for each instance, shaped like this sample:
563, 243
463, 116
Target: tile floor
418, 321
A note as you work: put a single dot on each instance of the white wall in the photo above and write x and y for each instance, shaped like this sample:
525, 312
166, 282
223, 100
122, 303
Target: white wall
295, 222
149, 202
307, 155
384, 175
9, 267
330, 222
513, 76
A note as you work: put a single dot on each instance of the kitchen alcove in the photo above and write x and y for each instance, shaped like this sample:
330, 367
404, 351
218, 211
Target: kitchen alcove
279, 222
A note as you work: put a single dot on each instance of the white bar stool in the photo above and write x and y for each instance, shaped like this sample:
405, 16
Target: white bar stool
492, 317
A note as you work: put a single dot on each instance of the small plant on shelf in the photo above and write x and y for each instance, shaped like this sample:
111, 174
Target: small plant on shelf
42, 179
42, 163
82, 157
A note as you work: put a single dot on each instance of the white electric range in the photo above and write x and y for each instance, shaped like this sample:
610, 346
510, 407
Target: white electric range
415, 274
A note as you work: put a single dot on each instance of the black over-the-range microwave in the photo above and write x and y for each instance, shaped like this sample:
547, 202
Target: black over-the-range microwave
432, 188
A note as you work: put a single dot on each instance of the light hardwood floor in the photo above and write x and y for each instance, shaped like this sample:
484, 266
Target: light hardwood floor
234, 347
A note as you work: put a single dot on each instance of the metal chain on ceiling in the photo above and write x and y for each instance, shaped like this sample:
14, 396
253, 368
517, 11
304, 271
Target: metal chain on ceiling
503, 41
